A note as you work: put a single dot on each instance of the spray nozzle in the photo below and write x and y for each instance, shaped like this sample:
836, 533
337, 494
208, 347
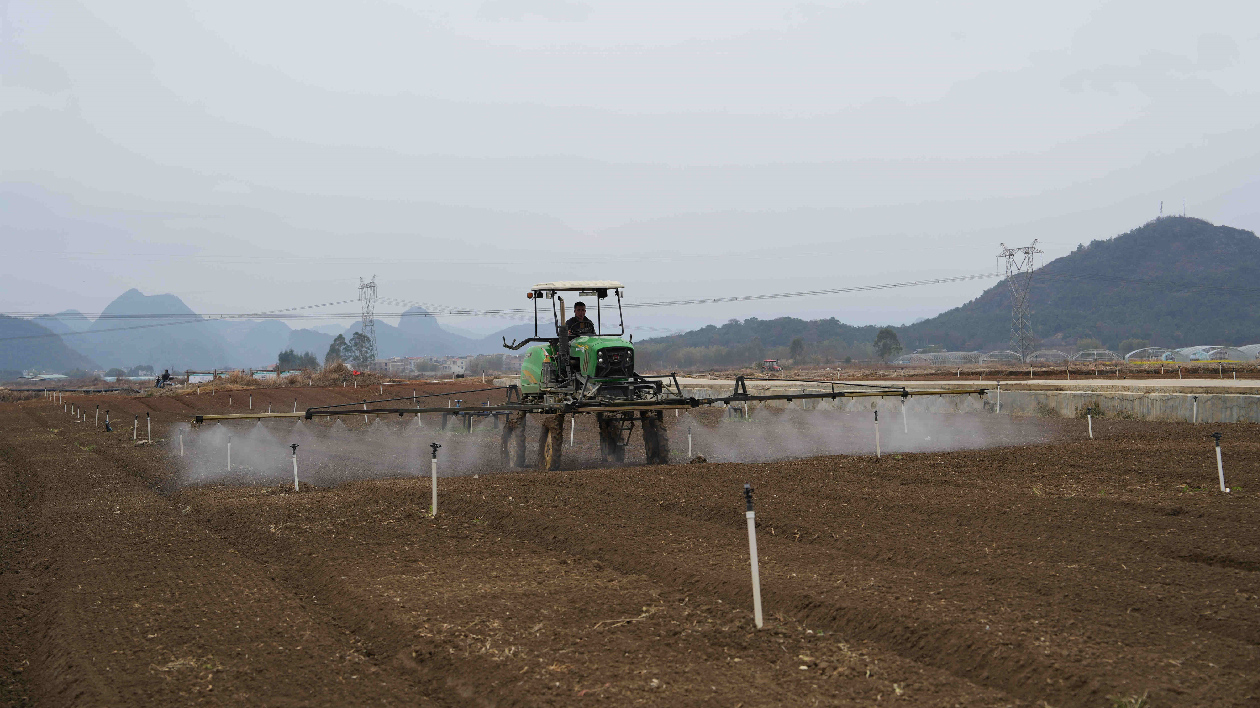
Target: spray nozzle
435, 447
295, 447
748, 490
1218, 438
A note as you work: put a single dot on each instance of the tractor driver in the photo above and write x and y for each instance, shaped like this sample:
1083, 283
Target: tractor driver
578, 325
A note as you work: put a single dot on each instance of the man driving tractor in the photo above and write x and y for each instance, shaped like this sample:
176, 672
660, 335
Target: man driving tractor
578, 325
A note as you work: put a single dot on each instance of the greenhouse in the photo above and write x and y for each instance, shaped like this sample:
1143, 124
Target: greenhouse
1096, 355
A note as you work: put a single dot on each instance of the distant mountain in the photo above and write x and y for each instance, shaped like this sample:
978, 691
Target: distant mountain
25, 344
419, 334
154, 329
1174, 282
64, 322
741, 343
252, 343
161, 330
310, 340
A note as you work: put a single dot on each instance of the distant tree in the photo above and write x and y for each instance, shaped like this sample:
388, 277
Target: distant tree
290, 360
361, 350
797, 348
336, 351
1130, 345
1087, 343
848, 360
886, 344
140, 370
115, 373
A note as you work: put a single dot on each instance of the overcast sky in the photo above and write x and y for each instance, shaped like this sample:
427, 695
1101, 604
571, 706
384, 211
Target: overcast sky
254, 156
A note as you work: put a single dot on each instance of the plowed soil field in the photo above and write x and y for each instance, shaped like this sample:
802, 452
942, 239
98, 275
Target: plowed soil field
1047, 569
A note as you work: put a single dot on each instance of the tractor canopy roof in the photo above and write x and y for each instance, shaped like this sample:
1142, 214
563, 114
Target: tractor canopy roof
578, 285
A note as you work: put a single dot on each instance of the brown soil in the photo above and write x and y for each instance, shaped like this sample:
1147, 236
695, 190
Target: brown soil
1066, 572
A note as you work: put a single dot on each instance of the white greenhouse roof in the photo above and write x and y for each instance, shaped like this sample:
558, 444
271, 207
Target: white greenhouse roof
580, 285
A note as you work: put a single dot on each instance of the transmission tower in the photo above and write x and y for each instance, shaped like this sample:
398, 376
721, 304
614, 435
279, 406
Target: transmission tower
367, 296
1019, 271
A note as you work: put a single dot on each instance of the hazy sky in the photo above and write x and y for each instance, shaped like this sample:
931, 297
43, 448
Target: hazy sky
257, 156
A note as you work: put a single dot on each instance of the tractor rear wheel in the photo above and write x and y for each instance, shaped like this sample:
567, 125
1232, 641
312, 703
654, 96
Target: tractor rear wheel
512, 442
655, 438
551, 442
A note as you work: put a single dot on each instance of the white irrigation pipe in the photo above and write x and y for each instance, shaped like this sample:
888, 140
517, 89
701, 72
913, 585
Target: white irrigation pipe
905, 426
107, 428
295, 479
1220, 469
268, 407
572, 425
1090, 418
97, 422
1195, 419
181, 443
688, 441
365, 414
295, 405
750, 515
135, 427
229, 467
148, 423
877, 434
999, 397
433, 476
251, 401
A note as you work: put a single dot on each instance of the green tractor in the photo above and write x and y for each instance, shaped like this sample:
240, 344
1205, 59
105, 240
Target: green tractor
590, 372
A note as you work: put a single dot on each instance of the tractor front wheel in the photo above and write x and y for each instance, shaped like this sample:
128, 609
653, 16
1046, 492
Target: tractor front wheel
611, 446
551, 443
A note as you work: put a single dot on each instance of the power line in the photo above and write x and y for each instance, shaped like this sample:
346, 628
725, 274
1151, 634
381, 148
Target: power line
512, 313
294, 314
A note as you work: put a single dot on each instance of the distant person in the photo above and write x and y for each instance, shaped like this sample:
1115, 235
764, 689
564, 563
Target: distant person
578, 325
166, 378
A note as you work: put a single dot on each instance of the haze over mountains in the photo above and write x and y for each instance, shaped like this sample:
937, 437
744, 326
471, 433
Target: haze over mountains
162, 331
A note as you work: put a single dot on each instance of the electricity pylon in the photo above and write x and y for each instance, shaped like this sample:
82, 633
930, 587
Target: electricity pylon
367, 295
1019, 271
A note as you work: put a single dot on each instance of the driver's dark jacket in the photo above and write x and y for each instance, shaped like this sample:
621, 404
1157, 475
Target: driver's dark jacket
578, 328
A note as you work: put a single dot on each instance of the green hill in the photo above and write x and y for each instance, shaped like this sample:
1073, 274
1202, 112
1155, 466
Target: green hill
1173, 282
737, 343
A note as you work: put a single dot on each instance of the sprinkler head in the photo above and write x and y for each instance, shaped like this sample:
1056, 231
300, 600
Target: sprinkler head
435, 447
295, 447
748, 492
1218, 438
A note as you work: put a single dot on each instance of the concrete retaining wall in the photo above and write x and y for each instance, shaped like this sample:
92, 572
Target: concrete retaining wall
1212, 407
